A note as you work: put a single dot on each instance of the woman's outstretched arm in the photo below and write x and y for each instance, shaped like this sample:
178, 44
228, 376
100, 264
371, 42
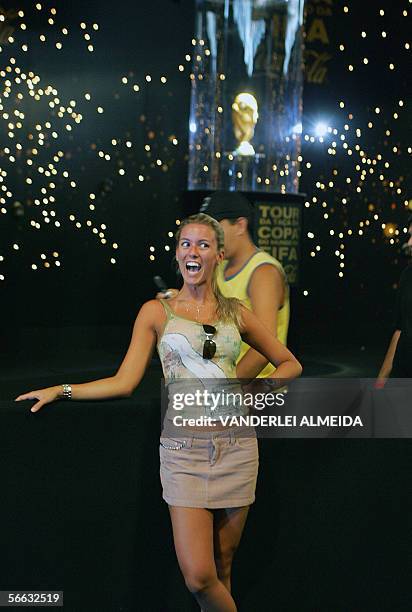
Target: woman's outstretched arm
128, 376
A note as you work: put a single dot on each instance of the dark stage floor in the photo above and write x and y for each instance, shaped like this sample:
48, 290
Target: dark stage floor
315, 496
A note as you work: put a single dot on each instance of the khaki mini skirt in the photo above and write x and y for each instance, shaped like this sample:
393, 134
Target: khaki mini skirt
209, 469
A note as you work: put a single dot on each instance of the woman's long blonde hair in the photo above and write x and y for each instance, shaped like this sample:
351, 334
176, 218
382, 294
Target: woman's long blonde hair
228, 309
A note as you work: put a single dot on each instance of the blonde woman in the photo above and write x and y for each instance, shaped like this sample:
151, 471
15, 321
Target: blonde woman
209, 474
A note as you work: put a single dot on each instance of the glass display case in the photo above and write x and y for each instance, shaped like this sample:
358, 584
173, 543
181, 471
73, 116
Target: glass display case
246, 101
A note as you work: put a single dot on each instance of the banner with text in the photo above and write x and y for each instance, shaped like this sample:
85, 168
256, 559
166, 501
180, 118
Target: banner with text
277, 231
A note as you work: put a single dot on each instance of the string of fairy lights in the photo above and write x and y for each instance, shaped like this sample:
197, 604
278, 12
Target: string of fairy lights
38, 157
351, 167
364, 156
33, 150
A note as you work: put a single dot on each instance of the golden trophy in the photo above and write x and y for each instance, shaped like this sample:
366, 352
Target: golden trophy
244, 118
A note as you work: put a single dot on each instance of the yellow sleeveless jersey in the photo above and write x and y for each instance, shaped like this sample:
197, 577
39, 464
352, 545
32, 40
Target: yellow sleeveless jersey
237, 286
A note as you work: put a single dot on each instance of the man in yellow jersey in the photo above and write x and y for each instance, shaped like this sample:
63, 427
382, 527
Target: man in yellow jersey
253, 276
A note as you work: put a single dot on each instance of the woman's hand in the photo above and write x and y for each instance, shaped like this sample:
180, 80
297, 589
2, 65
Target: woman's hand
45, 396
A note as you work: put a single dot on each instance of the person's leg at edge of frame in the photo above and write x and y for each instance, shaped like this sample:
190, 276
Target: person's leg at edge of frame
193, 540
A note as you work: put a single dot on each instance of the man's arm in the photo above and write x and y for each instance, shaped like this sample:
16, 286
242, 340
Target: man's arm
387, 364
267, 293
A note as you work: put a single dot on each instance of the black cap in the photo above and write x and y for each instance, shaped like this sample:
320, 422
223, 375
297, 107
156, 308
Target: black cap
227, 205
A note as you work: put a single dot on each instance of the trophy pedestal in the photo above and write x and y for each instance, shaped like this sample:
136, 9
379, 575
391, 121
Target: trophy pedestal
240, 171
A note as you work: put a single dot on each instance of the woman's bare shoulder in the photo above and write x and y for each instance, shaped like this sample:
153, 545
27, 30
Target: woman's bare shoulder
152, 311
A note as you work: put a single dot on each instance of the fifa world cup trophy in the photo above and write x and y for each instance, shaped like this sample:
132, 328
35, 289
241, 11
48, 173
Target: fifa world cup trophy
244, 118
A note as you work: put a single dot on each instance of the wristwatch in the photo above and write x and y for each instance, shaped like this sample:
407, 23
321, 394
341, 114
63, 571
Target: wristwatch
67, 392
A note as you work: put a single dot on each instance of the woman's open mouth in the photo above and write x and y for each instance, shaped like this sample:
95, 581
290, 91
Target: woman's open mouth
193, 267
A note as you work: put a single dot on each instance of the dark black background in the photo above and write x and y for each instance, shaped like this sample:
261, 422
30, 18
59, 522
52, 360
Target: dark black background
152, 38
